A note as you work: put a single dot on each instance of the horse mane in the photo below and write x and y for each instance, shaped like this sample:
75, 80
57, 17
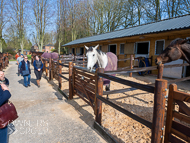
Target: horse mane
90, 49
100, 52
178, 41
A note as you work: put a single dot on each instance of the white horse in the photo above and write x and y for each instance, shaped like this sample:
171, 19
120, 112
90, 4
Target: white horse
97, 58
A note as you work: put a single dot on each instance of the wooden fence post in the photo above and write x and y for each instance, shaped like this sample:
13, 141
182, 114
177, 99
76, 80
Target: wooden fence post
60, 72
70, 80
52, 69
49, 68
83, 59
46, 65
64, 60
3, 63
73, 82
75, 59
32, 59
7, 61
131, 65
1, 66
99, 91
160, 71
160, 92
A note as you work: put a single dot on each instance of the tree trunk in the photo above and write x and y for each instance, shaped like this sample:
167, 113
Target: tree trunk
59, 47
22, 46
1, 45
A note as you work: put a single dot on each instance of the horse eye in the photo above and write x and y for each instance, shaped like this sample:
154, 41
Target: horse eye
93, 54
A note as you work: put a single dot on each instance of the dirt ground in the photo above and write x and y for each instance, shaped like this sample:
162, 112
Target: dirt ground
120, 126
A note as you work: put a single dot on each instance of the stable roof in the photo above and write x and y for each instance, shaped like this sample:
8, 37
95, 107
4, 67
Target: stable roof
177, 23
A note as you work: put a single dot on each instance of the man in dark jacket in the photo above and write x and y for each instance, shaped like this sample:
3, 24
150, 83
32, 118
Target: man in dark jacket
25, 71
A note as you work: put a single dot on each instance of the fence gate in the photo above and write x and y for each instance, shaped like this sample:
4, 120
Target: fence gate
84, 85
176, 131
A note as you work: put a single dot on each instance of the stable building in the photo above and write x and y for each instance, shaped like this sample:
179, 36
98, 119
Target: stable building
147, 40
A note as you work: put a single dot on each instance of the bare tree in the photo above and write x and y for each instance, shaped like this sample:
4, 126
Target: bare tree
2, 22
174, 8
43, 13
17, 8
61, 6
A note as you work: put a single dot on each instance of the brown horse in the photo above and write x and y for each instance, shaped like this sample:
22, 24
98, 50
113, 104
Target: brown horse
177, 49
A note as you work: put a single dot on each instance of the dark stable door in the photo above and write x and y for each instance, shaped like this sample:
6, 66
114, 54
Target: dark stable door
188, 71
81, 51
112, 48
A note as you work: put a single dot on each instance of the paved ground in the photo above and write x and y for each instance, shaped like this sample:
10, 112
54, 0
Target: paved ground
44, 117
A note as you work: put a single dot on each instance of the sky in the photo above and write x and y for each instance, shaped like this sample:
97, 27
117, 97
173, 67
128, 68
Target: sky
29, 18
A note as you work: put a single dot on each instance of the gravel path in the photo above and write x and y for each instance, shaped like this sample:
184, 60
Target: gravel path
44, 117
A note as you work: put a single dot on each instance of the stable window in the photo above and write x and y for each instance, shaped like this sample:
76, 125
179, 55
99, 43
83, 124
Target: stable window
159, 46
112, 48
81, 51
122, 48
73, 50
142, 48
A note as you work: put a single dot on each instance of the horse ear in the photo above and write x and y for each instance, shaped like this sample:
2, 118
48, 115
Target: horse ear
181, 41
86, 47
184, 41
96, 47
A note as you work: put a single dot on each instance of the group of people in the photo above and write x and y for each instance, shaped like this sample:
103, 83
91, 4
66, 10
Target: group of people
25, 71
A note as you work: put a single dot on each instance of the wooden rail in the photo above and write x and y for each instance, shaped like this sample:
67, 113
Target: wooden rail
128, 83
124, 111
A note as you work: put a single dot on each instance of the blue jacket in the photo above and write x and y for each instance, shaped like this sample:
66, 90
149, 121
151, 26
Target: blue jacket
22, 66
35, 67
4, 96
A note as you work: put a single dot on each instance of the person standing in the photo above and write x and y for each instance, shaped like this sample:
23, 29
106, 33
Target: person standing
19, 59
25, 71
38, 66
17, 55
4, 96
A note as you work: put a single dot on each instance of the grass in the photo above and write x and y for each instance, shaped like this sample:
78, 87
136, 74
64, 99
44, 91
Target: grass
12, 60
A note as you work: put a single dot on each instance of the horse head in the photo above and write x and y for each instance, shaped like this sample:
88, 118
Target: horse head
92, 57
172, 52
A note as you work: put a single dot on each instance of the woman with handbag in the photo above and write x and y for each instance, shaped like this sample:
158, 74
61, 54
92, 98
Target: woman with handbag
4, 96
25, 71
38, 66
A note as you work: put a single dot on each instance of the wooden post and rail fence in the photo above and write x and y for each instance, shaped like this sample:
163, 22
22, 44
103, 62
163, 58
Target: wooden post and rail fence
89, 87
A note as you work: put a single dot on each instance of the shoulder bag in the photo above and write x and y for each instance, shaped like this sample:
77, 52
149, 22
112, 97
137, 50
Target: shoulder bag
8, 114
26, 72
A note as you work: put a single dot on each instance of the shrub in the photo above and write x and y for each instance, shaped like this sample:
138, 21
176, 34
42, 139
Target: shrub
29, 57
